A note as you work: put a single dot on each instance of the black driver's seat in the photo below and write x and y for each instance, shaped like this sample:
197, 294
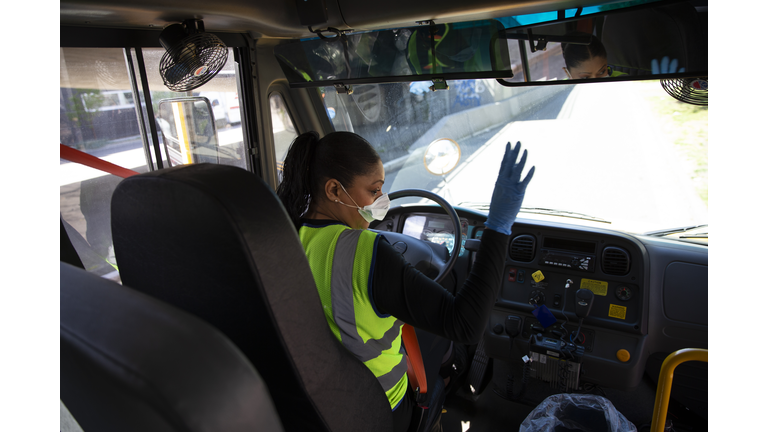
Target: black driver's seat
215, 241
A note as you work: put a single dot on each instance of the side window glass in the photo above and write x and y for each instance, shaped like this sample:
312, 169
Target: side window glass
187, 132
283, 129
97, 116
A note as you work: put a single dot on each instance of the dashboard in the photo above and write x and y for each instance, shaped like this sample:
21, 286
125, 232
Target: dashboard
649, 296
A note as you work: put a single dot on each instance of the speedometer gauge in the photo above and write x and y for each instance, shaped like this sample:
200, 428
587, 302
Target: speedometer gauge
443, 238
436, 229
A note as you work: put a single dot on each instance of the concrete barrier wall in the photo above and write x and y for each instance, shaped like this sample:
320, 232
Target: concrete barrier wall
475, 120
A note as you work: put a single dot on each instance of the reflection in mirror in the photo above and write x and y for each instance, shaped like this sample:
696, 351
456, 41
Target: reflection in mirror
442, 156
189, 131
586, 61
444, 50
669, 39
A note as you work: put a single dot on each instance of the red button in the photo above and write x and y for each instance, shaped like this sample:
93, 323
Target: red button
512, 275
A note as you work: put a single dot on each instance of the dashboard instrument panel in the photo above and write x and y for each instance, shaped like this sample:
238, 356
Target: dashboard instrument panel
548, 262
435, 228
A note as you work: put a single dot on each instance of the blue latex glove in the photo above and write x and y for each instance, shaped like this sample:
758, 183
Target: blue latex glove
666, 66
508, 194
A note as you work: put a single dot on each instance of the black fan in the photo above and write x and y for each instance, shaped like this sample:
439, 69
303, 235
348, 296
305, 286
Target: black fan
688, 90
192, 57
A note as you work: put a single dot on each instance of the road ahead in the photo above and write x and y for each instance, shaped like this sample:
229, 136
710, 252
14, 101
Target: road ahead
602, 156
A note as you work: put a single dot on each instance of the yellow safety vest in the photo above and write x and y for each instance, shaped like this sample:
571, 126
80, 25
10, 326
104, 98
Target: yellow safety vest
341, 260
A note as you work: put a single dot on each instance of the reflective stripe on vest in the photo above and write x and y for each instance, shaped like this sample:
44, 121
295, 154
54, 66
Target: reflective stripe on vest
373, 339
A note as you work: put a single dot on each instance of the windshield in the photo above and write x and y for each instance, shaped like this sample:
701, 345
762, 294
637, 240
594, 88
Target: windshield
619, 155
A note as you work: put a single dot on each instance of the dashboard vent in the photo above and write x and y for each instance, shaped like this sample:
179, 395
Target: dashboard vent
523, 248
615, 261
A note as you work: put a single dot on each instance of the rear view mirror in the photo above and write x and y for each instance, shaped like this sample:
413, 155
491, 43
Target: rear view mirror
642, 42
659, 42
189, 130
428, 52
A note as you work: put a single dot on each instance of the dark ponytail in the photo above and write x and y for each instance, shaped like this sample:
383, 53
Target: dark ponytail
310, 162
294, 190
575, 54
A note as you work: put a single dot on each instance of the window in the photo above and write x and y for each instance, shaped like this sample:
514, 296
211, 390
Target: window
221, 144
99, 116
624, 153
283, 129
95, 119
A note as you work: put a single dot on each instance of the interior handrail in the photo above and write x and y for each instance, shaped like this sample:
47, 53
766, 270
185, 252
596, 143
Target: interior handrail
74, 155
665, 382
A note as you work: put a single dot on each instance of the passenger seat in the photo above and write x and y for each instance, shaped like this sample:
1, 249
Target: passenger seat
129, 362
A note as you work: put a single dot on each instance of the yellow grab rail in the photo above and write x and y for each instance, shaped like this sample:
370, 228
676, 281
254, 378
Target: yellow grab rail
665, 382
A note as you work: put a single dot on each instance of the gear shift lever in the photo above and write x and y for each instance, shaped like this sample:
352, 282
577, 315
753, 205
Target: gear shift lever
584, 300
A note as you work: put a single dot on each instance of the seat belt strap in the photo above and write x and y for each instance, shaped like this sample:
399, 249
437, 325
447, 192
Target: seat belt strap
416, 375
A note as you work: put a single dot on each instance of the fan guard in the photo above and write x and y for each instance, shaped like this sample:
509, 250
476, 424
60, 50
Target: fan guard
192, 57
688, 90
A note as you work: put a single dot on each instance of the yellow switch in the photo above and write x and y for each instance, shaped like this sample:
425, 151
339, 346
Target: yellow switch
537, 276
622, 355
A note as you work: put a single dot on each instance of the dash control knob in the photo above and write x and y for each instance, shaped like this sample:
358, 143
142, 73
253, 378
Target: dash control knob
575, 263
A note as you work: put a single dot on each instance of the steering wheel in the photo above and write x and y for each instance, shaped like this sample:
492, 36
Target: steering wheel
427, 256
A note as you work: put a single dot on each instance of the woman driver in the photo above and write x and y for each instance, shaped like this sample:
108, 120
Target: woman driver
587, 61
331, 189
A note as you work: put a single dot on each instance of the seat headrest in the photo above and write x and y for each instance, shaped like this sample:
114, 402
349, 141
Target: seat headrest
129, 362
215, 241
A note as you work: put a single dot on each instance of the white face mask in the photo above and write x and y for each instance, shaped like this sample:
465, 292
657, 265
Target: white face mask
375, 211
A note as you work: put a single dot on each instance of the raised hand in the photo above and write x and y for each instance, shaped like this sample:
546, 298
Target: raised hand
509, 191
665, 67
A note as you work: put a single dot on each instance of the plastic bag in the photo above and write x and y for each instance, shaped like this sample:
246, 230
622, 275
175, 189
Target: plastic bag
576, 412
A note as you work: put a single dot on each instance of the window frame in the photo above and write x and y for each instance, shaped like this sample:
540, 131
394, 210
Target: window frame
132, 41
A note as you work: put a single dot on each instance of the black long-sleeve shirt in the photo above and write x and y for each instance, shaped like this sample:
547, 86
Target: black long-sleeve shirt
407, 294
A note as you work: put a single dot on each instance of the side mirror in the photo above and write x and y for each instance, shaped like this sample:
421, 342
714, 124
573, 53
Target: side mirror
442, 156
189, 131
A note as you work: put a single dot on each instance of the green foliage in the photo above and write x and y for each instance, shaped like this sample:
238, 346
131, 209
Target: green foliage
686, 126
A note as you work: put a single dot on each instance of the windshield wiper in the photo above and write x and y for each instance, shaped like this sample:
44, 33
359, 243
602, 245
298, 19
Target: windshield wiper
475, 205
564, 213
541, 210
662, 233
695, 236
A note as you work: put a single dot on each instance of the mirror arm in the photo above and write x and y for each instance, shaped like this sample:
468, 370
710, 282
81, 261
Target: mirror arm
439, 84
541, 42
342, 89
319, 32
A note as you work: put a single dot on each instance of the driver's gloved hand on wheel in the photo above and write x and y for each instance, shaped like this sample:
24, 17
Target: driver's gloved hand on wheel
509, 191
